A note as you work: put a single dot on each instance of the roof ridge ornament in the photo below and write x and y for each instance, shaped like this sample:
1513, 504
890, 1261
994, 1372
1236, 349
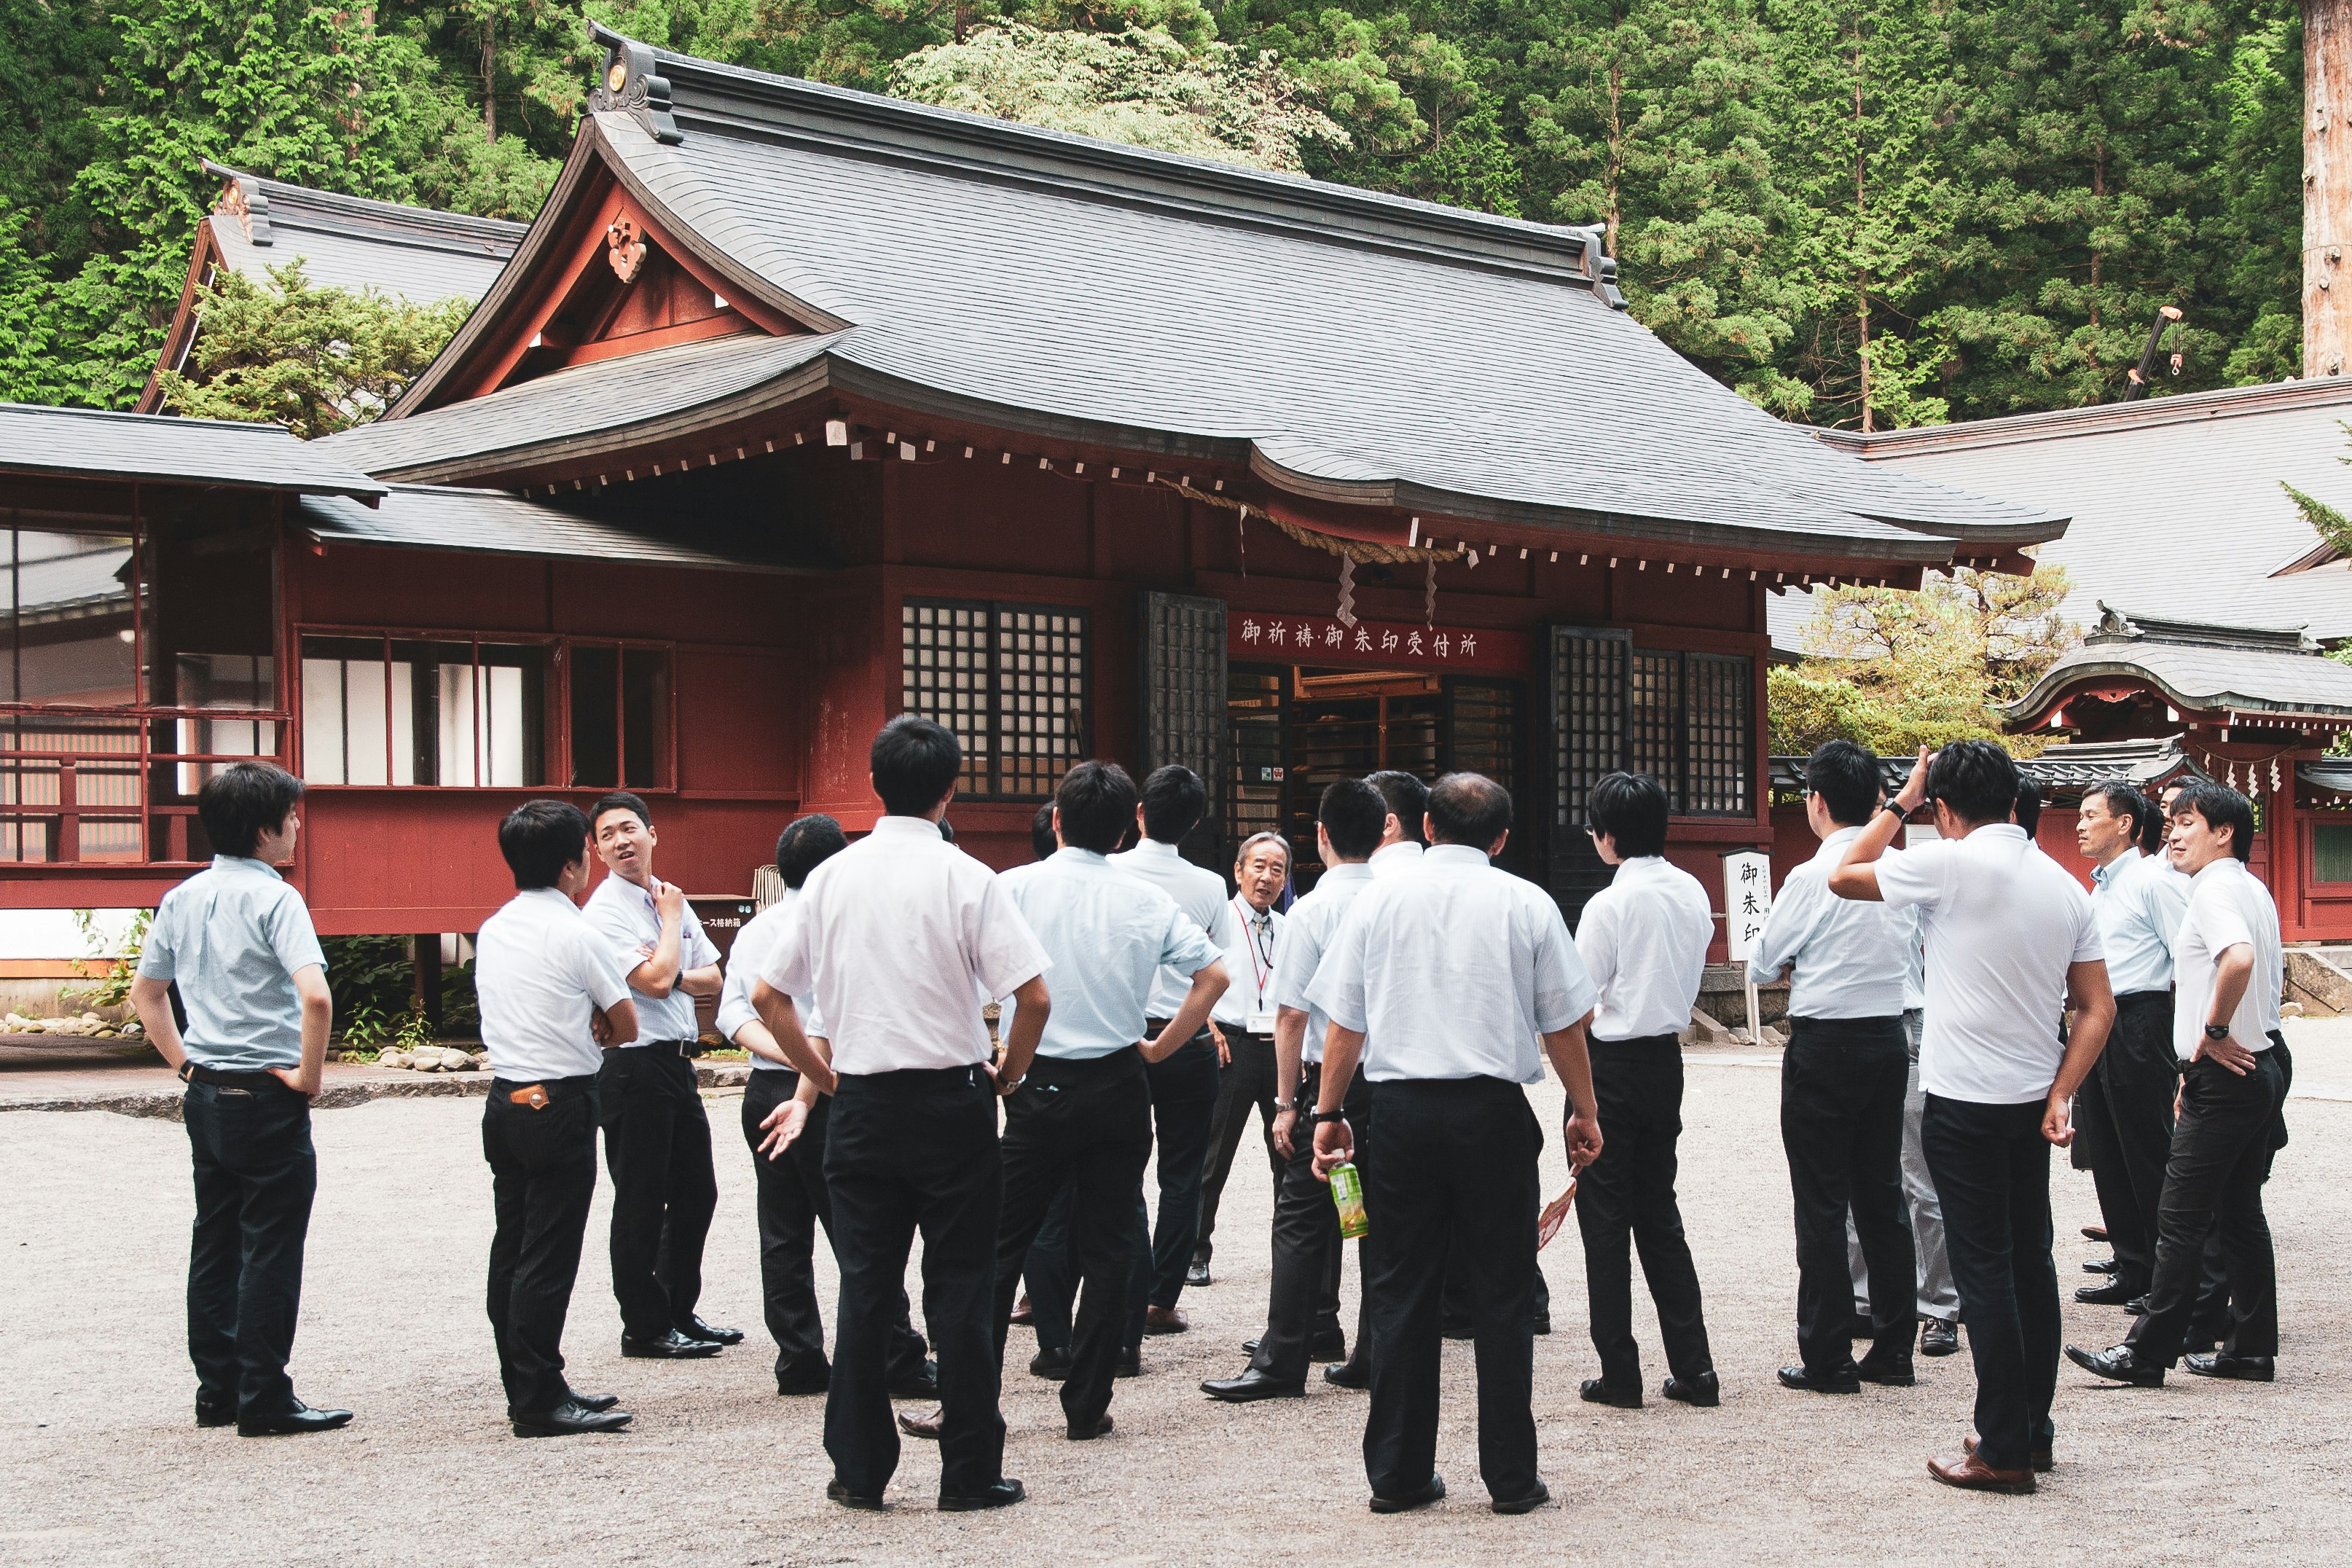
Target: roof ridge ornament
241, 197
628, 86
1599, 266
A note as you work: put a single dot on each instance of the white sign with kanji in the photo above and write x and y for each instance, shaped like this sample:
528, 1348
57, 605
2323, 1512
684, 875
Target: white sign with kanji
1747, 900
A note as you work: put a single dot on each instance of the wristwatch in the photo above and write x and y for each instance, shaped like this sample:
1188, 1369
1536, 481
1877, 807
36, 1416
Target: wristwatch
1902, 812
1320, 1117
2216, 1031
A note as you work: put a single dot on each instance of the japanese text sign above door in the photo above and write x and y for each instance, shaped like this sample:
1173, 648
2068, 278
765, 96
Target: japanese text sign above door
1320, 639
1747, 900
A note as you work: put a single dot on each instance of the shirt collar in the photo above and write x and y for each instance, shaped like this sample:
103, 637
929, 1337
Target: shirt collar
1454, 855
1403, 848
1255, 917
548, 895
1070, 854
2115, 867
906, 827
1641, 865
245, 863
2218, 864
1353, 871
1154, 849
2009, 830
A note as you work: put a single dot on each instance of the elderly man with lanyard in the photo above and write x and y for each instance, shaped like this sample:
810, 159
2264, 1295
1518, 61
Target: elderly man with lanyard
1244, 1017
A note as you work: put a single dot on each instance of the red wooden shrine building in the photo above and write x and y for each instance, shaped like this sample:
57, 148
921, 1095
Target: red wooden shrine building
799, 408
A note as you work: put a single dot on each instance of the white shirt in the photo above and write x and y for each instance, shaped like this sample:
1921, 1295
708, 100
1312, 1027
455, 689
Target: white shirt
897, 939
2001, 921
1401, 855
1846, 958
1199, 893
752, 945
541, 972
2227, 905
1109, 941
1644, 938
1452, 970
2137, 903
1249, 966
629, 921
1315, 920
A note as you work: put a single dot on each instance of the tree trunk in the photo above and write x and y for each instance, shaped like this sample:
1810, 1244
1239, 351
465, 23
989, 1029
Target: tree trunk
2326, 186
1861, 209
489, 80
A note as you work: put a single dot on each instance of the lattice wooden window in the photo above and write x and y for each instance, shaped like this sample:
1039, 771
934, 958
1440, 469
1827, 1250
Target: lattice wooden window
1653, 720
1715, 718
1588, 678
1011, 680
943, 670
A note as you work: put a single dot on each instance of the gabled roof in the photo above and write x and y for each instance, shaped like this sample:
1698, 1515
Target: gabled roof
2264, 671
492, 522
1355, 350
81, 443
2061, 769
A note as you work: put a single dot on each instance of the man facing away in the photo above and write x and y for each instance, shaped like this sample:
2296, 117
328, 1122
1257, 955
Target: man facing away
2011, 944
1407, 798
1842, 1086
2226, 1037
656, 1134
239, 942
896, 939
553, 1003
1244, 1017
1644, 940
1082, 1115
784, 1122
1306, 1242
1459, 975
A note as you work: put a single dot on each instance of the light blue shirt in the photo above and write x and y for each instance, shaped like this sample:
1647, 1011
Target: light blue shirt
2138, 902
1846, 958
1108, 935
744, 961
1199, 893
233, 937
625, 916
1314, 920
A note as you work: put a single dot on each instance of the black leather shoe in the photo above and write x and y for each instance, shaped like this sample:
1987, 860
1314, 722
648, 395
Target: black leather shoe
923, 1383
2136, 1306
847, 1499
671, 1346
1528, 1504
1421, 1498
2245, 1368
1101, 1428
569, 1419
807, 1377
1540, 1327
1938, 1337
1703, 1390
695, 1329
1252, 1385
996, 1494
1328, 1344
1053, 1366
2100, 1266
1349, 1375
1894, 1372
1249, 1347
210, 1415
595, 1402
2119, 1364
295, 1423
1846, 1379
2095, 1233
2113, 1294
1595, 1390
1197, 1275
1130, 1363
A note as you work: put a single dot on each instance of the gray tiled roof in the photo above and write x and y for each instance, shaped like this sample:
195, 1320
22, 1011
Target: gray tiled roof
1351, 346
86, 444
416, 253
2137, 763
2245, 669
446, 517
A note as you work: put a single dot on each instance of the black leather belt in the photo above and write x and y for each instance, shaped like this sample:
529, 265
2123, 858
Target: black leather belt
688, 1048
194, 1072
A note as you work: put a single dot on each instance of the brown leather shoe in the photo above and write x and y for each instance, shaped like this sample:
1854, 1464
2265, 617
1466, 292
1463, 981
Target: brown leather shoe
1165, 1321
2041, 1458
1022, 1315
1968, 1471
927, 1427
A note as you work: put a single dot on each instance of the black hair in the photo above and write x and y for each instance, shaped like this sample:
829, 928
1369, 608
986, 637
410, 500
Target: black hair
1174, 800
1042, 842
618, 800
1469, 809
1631, 809
806, 842
2153, 830
2122, 800
1408, 802
1352, 814
947, 830
540, 838
1097, 800
2221, 807
1976, 779
915, 761
1847, 779
2027, 805
244, 801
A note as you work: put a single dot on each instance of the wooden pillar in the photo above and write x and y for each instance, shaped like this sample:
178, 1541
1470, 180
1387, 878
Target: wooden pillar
2326, 187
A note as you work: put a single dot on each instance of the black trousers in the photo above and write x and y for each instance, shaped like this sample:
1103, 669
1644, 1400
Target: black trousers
906, 1151
1630, 1192
1246, 1083
1183, 1107
1842, 1082
2210, 1319
2221, 1156
1457, 1167
256, 1173
1087, 1124
1991, 1167
2125, 1128
1307, 1248
658, 1149
793, 1201
543, 1177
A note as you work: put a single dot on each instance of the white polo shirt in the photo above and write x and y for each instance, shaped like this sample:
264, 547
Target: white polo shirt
752, 944
1108, 939
896, 939
1198, 892
1249, 967
1846, 958
629, 921
2227, 905
541, 972
2002, 922
1452, 970
1644, 940
1315, 920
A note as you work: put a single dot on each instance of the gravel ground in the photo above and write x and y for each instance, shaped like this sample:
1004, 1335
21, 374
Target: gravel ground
100, 1461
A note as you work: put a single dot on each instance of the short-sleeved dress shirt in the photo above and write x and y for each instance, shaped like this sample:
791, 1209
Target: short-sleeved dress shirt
2227, 905
234, 936
752, 944
541, 972
629, 921
1108, 940
1314, 922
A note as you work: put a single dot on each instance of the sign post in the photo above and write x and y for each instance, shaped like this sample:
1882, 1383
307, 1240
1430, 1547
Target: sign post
1747, 901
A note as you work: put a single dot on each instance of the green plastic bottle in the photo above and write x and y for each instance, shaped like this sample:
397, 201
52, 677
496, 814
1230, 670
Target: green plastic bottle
1348, 1194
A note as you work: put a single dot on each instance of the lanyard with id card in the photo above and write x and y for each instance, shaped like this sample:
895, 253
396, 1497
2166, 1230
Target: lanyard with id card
1261, 946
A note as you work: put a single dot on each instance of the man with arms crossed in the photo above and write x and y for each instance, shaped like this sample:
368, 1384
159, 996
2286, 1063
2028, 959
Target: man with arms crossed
2011, 944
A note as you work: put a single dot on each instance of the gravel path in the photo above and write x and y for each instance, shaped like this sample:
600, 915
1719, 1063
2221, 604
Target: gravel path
100, 1463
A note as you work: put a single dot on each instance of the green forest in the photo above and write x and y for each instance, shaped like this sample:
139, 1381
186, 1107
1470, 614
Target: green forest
1876, 213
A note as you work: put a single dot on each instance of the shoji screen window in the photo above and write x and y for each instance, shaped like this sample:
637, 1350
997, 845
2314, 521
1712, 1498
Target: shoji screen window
400, 712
